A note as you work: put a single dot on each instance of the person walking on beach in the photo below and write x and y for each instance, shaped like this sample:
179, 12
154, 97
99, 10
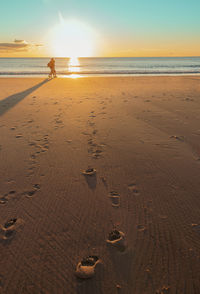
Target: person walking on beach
51, 65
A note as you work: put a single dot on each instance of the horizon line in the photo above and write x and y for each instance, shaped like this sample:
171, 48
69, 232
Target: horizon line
178, 56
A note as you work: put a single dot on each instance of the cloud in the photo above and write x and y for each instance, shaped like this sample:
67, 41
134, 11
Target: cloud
12, 46
20, 41
17, 45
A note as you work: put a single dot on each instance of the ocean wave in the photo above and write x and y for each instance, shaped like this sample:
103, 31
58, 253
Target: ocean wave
102, 66
101, 72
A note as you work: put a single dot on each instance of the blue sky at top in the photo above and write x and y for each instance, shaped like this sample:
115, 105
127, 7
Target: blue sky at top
118, 20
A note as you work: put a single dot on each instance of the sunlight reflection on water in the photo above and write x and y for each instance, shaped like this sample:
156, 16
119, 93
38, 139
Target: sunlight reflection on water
72, 76
74, 65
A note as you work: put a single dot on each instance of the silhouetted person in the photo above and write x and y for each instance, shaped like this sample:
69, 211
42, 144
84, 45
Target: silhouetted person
51, 65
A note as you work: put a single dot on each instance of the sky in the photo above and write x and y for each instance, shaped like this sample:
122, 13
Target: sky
99, 28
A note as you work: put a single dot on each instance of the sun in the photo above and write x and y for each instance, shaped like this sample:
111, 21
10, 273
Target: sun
72, 39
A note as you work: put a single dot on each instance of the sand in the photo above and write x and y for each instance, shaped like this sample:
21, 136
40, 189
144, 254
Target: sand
141, 135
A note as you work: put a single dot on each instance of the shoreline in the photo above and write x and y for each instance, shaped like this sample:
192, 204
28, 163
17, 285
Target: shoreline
77, 75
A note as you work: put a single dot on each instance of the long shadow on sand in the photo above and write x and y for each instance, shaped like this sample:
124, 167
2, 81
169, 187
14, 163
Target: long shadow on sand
10, 101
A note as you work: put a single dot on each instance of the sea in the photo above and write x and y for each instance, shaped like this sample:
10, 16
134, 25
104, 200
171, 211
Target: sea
135, 66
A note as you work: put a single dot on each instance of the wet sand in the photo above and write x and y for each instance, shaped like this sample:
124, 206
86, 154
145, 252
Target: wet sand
140, 139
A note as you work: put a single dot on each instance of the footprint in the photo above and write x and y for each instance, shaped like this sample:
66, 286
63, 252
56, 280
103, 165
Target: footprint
3, 200
96, 156
196, 228
32, 144
97, 153
133, 188
58, 121
180, 138
32, 192
94, 148
85, 133
10, 223
91, 124
94, 132
117, 239
90, 177
9, 229
89, 172
36, 186
91, 142
188, 99
86, 268
115, 198
164, 290
12, 192
141, 228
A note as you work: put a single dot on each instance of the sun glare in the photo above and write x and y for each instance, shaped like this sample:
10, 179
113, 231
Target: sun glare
72, 39
74, 61
74, 65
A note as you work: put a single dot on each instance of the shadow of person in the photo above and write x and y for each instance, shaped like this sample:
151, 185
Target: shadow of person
10, 101
91, 181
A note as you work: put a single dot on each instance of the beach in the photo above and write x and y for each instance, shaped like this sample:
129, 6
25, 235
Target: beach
142, 137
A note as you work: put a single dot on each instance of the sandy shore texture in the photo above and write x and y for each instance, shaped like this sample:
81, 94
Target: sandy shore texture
142, 137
